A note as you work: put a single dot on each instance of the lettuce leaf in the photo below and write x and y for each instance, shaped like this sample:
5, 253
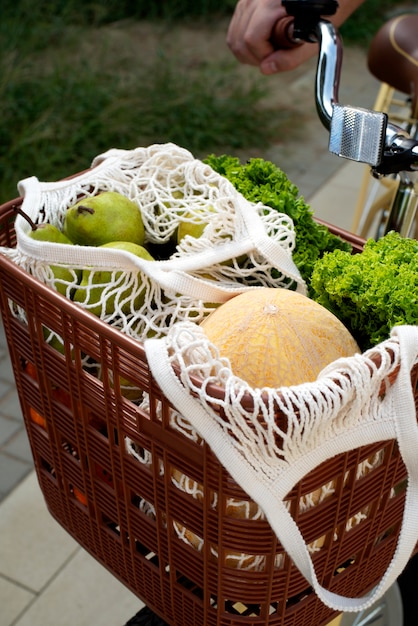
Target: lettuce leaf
259, 180
373, 291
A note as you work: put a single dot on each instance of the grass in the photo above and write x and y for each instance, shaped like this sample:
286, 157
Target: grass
65, 102
365, 22
53, 12
68, 91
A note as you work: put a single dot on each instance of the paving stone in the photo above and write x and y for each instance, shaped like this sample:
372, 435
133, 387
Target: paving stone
12, 471
6, 370
18, 446
5, 387
8, 428
10, 405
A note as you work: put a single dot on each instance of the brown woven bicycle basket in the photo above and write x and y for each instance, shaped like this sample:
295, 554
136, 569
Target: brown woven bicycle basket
126, 509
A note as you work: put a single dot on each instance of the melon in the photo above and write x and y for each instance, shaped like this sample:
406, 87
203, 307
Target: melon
277, 337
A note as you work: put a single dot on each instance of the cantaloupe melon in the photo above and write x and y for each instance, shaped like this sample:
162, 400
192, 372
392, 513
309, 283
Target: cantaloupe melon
273, 338
277, 337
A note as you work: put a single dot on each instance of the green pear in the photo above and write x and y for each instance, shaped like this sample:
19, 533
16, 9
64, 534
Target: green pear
192, 225
196, 228
193, 229
128, 389
94, 282
54, 340
62, 275
108, 216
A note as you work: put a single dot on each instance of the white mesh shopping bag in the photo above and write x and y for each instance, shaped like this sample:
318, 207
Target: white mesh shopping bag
243, 245
354, 402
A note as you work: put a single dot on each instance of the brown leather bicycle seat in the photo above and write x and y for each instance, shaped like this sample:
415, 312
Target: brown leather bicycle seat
393, 56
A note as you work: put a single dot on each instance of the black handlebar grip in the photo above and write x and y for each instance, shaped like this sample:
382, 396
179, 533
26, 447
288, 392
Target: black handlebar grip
307, 14
318, 7
282, 35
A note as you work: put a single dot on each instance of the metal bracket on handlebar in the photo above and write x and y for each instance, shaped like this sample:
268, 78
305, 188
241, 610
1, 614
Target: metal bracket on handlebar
400, 153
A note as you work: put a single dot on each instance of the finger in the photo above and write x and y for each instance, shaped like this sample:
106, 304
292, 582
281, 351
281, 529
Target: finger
287, 60
236, 38
250, 31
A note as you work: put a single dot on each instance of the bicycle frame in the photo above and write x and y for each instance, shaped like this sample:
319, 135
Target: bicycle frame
392, 200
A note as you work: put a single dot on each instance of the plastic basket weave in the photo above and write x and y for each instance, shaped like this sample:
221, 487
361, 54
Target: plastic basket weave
97, 491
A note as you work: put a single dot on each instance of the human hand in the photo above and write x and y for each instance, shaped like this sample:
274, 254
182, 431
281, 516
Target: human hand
251, 37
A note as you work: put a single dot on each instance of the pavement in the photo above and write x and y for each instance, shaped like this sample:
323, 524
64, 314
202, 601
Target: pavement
46, 578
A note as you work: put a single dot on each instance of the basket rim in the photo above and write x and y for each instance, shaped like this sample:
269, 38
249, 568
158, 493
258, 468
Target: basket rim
132, 345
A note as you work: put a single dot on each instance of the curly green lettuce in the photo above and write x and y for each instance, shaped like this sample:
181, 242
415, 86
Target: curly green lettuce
259, 180
373, 291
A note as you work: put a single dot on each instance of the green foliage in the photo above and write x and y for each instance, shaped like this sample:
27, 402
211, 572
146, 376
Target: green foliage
373, 291
262, 181
55, 121
106, 11
369, 17
205, 110
69, 91
57, 110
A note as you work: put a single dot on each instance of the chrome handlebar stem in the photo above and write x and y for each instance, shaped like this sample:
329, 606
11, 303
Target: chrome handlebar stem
328, 71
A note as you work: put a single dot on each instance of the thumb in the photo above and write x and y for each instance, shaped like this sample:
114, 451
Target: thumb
287, 60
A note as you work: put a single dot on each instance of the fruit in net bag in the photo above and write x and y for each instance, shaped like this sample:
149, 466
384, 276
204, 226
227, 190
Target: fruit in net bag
101, 291
277, 337
108, 216
62, 276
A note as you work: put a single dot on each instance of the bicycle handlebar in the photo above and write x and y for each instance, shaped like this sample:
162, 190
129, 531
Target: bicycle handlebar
286, 35
358, 134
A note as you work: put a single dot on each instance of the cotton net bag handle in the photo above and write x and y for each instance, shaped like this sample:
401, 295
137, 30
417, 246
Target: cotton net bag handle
352, 416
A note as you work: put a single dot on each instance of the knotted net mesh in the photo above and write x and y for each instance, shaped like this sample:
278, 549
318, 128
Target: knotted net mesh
242, 244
